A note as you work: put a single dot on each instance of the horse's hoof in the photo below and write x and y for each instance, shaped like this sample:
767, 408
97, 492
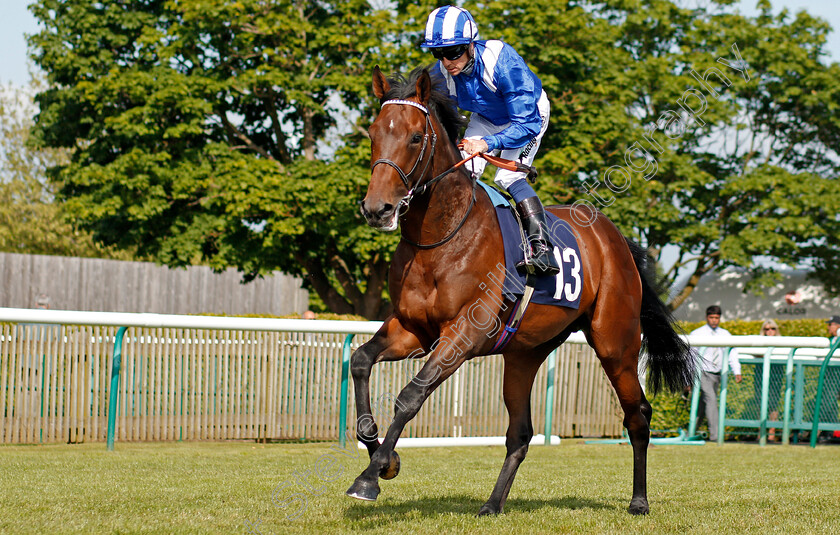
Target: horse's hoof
393, 468
488, 509
362, 489
638, 507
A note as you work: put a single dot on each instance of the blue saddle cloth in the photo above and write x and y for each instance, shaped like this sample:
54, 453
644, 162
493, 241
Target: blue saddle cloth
563, 289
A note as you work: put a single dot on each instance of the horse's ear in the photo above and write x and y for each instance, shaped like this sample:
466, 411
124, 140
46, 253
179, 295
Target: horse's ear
380, 83
424, 87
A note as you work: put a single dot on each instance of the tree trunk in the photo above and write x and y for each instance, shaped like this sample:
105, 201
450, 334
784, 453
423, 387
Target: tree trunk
699, 271
370, 304
309, 142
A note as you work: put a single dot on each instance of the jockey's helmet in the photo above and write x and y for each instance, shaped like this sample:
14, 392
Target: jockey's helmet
449, 26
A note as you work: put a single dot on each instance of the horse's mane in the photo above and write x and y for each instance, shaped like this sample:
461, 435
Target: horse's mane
440, 104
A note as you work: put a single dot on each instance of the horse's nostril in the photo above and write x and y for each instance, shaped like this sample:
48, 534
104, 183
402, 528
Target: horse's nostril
375, 211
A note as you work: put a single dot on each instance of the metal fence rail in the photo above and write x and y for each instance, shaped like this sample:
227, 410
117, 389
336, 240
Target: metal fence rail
214, 378
786, 389
74, 376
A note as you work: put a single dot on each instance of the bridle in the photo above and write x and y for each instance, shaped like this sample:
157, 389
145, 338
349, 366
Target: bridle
403, 175
419, 189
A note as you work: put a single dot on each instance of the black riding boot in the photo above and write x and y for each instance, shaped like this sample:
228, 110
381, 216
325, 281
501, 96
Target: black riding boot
543, 261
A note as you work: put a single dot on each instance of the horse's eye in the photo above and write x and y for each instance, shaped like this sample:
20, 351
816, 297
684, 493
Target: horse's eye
416, 138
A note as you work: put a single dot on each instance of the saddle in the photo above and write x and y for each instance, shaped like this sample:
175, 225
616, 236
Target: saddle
563, 289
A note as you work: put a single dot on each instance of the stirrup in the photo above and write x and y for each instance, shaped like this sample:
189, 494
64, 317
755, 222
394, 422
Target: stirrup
540, 262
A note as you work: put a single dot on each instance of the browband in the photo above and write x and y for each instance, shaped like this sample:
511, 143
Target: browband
407, 103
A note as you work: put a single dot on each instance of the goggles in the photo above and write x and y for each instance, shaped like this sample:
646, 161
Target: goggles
450, 52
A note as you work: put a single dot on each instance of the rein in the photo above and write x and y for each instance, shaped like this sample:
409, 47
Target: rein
421, 188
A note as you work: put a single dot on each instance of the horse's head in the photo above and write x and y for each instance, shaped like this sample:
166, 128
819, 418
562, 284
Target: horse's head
402, 145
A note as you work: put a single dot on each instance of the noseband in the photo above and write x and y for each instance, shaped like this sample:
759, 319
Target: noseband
419, 189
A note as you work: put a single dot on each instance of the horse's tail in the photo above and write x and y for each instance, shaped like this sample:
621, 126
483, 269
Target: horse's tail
669, 357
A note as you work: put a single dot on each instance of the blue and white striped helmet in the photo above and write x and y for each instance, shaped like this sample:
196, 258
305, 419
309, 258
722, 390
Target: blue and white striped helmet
450, 26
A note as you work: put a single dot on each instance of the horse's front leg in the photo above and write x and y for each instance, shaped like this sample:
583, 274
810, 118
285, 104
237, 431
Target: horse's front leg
438, 367
390, 343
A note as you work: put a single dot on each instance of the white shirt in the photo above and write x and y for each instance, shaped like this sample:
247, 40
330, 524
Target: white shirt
711, 358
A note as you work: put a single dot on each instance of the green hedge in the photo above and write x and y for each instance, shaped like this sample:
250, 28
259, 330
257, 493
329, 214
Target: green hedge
804, 327
671, 411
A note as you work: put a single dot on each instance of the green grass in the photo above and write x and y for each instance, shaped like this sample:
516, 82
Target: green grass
571, 488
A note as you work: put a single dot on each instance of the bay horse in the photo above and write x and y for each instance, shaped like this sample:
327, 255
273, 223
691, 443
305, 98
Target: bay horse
444, 308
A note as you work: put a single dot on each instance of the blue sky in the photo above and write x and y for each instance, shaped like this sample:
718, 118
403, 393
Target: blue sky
16, 20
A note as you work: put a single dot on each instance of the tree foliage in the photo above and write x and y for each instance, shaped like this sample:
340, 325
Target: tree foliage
233, 133
695, 127
195, 126
30, 221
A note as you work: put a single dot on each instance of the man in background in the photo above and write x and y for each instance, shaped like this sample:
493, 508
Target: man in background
711, 364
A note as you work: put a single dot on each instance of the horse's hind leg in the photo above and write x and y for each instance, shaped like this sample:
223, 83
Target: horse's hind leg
621, 366
520, 370
637, 413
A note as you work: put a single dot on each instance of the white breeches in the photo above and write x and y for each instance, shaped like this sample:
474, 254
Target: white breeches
479, 127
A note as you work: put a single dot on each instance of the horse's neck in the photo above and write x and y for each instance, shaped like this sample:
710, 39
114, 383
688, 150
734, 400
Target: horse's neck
444, 205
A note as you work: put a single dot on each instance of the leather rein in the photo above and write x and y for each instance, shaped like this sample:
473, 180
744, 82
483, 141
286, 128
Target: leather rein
421, 188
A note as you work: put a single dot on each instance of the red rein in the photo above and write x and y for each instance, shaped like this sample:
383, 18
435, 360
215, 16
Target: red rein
501, 163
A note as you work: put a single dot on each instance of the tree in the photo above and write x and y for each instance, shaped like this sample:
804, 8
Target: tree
195, 128
699, 128
752, 172
30, 221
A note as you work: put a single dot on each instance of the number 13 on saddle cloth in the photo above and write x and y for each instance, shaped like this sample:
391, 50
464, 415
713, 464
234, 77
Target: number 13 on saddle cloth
564, 289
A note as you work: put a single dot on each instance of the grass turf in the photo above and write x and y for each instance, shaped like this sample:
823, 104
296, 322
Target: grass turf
299, 488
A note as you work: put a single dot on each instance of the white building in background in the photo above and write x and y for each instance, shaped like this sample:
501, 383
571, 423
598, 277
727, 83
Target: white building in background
794, 297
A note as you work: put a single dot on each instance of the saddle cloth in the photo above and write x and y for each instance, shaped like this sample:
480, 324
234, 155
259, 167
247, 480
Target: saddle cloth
564, 289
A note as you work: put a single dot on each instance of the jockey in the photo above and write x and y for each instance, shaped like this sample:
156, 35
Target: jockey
509, 113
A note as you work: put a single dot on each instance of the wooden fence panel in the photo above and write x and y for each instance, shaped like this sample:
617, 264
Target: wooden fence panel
67, 283
188, 384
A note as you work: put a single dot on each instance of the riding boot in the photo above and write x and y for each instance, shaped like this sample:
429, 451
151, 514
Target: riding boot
543, 261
